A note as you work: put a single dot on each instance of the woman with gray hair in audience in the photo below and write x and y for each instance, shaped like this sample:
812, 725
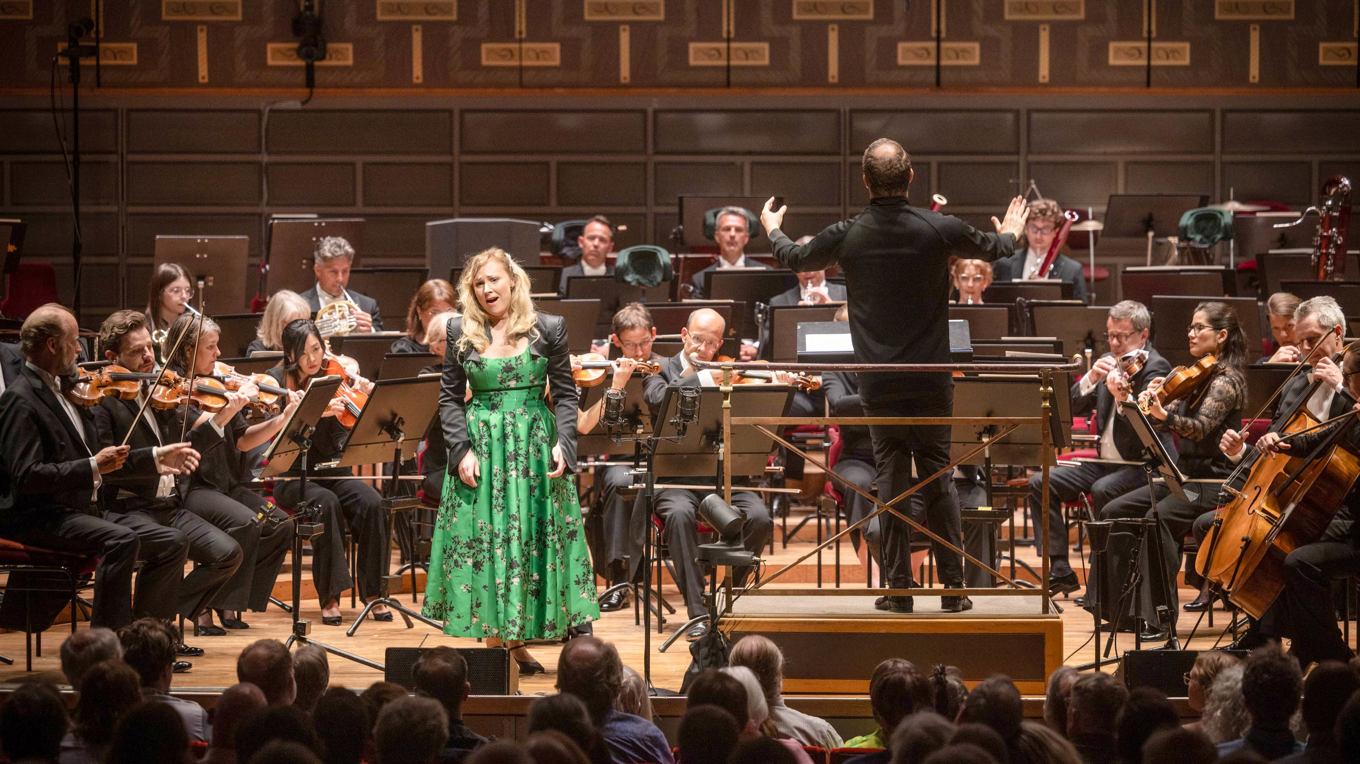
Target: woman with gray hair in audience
1225, 713
766, 662
633, 696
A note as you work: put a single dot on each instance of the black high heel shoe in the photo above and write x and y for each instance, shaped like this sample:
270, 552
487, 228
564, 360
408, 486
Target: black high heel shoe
231, 623
529, 667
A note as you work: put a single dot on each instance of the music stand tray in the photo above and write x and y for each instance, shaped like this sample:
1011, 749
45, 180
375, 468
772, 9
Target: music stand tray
398, 365
1156, 450
285, 448
599, 441
784, 320
694, 453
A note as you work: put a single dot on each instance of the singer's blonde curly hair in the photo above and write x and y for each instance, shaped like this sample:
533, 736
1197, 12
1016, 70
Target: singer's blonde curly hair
522, 317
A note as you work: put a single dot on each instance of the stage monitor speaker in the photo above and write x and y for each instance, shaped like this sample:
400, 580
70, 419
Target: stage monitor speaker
1162, 670
489, 668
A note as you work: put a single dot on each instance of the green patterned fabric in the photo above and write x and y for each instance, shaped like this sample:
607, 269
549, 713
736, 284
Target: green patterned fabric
508, 558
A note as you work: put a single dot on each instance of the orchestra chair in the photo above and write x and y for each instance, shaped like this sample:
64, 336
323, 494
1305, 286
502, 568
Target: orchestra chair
842, 755
30, 287
644, 265
661, 556
562, 241
816, 753
35, 570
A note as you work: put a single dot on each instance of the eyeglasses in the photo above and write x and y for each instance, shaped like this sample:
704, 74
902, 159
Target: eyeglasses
1186, 678
1040, 230
185, 291
1118, 336
1197, 328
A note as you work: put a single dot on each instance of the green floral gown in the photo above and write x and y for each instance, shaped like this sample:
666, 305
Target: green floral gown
508, 558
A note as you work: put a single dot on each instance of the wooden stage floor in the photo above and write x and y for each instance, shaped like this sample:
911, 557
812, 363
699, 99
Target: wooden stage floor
216, 669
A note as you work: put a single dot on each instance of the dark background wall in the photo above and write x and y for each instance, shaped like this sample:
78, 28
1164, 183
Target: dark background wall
168, 154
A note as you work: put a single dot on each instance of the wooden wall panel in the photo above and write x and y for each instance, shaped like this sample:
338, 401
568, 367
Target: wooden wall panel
674, 179
1159, 132
1169, 178
553, 132
501, 184
1076, 183
360, 132
30, 131
1281, 132
45, 183
967, 184
316, 184
143, 228
939, 132
408, 184
601, 184
805, 184
747, 132
394, 239
1288, 182
173, 131
193, 183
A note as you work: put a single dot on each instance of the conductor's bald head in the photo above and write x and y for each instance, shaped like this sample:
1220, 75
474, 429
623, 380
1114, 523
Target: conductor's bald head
49, 338
887, 168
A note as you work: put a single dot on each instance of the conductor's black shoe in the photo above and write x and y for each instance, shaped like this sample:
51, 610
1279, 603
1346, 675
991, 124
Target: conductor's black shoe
895, 604
697, 632
182, 666
955, 604
614, 600
1064, 584
186, 650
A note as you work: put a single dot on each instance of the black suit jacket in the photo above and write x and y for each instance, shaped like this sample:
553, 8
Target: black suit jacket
113, 418
366, 304
577, 270
895, 258
697, 280
1064, 269
45, 464
1125, 439
11, 362
549, 341
842, 398
672, 373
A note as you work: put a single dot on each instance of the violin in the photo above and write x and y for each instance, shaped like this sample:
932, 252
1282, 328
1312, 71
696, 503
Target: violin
594, 368
1182, 382
805, 382
266, 399
112, 381
348, 392
208, 393
1129, 365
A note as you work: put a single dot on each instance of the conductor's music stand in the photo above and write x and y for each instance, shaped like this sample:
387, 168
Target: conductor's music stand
390, 427
1148, 216
292, 444
781, 324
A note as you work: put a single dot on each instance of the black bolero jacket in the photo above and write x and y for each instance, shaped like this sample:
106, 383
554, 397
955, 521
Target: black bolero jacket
549, 341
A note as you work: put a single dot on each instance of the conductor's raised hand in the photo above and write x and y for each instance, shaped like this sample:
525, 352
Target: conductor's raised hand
469, 469
1016, 215
771, 218
559, 463
111, 459
178, 459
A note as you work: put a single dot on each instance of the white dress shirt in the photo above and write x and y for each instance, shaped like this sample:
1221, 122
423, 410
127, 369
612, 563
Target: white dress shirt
589, 270
1033, 259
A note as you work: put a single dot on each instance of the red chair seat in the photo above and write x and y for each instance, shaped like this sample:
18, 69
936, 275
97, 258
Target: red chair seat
15, 553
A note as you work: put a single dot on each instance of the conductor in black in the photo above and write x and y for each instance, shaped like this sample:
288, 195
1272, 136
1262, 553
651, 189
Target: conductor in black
895, 258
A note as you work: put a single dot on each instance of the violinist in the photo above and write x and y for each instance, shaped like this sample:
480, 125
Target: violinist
53, 467
1304, 610
702, 336
153, 506
219, 491
284, 307
432, 298
1199, 420
434, 459
1100, 390
1045, 219
304, 358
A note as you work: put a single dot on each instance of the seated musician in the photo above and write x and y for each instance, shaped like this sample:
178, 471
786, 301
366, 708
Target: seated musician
732, 232
11, 364
1317, 327
703, 336
432, 298
53, 467
596, 242
971, 278
616, 533
1045, 218
1100, 390
304, 358
856, 460
1280, 310
333, 259
435, 457
170, 290
1304, 611
1200, 421
283, 308
219, 491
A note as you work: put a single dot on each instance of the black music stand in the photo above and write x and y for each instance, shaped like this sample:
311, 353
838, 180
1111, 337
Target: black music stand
255, 364
292, 444
582, 317
1030, 289
779, 338
390, 427
984, 321
368, 350
451, 241
1148, 216
291, 248
748, 286
1157, 461
398, 365
220, 262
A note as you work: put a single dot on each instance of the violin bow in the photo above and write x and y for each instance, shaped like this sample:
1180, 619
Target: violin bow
160, 375
192, 366
1297, 368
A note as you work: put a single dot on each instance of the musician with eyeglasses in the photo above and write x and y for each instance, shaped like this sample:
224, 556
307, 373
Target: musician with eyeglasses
168, 296
333, 258
1045, 220
1105, 478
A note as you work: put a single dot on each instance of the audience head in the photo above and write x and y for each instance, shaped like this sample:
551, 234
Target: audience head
264, 725
758, 712
1225, 715
284, 752
432, 298
150, 733
411, 730
897, 690
1057, 695
1094, 705
237, 702
110, 690
437, 334
501, 752
567, 715
1146, 711
1201, 676
596, 241
590, 669
761, 750
918, 736
1325, 691
267, 664
886, 168
633, 696
633, 331
1039, 743
50, 339
84, 649
961, 753
762, 656
149, 648
1127, 326
552, 747
343, 726
311, 675
378, 695
1271, 685
983, 737
707, 735
33, 722
1347, 730
1179, 745
713, 687
946, 684
441, 673
995, 702
1280, 309
283, 308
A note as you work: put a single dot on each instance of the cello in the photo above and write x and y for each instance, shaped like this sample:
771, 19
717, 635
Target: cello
1287, 501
